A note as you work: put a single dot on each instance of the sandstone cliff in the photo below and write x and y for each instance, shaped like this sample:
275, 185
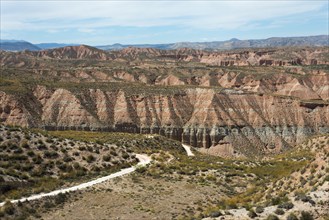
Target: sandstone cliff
198, 117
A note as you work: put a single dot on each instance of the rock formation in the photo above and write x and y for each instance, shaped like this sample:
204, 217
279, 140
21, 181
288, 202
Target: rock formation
249, 110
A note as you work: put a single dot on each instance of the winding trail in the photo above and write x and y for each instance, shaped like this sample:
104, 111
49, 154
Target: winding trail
143, 160
188, 150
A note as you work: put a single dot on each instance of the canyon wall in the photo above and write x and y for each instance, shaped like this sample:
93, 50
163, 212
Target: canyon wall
199, 117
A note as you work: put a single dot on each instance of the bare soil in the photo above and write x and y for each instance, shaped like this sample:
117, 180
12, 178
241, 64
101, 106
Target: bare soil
133, 197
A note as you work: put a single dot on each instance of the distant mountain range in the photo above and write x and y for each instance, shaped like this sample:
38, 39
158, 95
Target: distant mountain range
17, 45
44, 46
122, 46
320, 40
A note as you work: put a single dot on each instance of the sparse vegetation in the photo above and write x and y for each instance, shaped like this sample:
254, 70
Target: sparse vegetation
37, 167
231, 177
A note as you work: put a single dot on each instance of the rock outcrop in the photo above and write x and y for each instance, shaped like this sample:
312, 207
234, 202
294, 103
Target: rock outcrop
13, 112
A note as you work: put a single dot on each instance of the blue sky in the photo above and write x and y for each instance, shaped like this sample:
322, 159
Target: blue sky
138, 22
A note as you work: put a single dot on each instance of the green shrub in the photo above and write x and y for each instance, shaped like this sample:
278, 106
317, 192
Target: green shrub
279, 211
25, 145
215, 214
259, 209
272, 217
67, 158
141, 169
30, 153
48, 205
292, 216
278, 200
60, 198
18, 151
107, 157
90, 158
41, 146
286, 205
50, 154
54, 147
99, 142
252, 214
326, 178
114, 153
76, 166
8, 208
305, 215
49, 140
37, 159
125, 156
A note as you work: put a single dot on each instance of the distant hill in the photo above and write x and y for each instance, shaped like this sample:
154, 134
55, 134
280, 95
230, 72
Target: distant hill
234, 43
73, 52
15, 45
53, 45
122, 46
321, 40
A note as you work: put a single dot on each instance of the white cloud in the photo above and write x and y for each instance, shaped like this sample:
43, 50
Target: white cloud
85, 16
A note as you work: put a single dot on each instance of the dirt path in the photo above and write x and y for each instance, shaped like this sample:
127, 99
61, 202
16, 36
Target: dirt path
143, 160
188, 150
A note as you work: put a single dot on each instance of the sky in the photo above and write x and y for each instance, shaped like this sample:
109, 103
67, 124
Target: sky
139, 22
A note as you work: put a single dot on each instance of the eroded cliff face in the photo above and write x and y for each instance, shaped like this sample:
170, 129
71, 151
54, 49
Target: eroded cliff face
248, 110
198, 117
13, 112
